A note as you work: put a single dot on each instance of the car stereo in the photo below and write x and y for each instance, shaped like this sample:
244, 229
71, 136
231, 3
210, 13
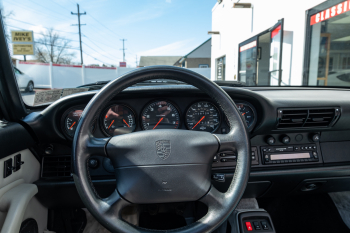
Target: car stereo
289, 154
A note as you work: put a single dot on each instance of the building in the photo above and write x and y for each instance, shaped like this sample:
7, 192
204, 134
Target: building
158, 60
200, 57
276, 42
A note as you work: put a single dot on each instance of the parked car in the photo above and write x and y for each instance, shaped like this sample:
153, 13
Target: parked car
24, 81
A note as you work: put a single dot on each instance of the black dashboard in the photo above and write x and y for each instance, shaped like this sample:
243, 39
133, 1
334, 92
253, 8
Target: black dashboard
297, 134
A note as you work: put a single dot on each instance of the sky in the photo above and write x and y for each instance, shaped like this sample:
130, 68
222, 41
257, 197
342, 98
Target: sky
150, 27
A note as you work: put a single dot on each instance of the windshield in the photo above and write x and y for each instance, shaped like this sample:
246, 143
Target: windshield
65, 47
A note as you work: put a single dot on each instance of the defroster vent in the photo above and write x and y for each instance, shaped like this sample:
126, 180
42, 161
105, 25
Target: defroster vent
56, 167
307, 117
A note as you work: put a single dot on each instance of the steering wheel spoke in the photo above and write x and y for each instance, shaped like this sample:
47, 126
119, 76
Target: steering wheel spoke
213, 199
96, 146
113, 205
227, 142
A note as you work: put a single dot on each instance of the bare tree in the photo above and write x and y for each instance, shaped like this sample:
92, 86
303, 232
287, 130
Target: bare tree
53, 48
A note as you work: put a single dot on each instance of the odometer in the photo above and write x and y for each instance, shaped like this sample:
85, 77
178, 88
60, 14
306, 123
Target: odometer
160, 115
203, 116
118, 119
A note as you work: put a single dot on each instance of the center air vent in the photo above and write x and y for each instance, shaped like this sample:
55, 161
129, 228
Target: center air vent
300, 118
56, 167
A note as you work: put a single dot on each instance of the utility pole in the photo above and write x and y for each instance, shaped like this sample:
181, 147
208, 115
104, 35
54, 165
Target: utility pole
79, 14
136, 61
123, 49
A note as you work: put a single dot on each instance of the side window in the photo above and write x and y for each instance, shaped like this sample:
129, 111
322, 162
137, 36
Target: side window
17, 71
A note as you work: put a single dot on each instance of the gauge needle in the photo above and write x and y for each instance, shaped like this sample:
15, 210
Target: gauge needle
111, 124
243, 114
158, 123
198, 122
72, 125
126, 123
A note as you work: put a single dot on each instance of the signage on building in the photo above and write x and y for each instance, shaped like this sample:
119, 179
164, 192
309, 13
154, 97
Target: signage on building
248, 46
330, 12
122, 64
275, 31
22, 36
22, 42
23, 49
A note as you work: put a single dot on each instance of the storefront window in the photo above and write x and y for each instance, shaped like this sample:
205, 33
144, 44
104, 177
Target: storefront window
247, 63
330, 47
275, 55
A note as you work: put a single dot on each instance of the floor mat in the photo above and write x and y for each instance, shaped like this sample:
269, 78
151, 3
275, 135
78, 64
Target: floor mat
342, 202
304, 214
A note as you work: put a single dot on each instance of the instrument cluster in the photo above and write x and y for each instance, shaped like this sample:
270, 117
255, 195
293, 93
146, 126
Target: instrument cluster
118, 118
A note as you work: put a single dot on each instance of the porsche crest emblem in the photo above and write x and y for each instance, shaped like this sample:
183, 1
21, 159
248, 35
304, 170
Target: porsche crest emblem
163, 148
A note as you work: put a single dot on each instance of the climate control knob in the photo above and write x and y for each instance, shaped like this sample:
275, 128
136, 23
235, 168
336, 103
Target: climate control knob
315, 137
270, 140
285, 139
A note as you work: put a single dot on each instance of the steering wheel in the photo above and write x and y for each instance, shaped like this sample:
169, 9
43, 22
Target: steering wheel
161, 166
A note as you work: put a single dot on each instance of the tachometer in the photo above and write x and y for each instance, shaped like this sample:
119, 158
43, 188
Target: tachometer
160, 115
203, 116
118, 119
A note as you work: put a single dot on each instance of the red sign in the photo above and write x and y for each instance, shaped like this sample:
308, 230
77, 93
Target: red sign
330, 12
248, 46
122, 64
275, 31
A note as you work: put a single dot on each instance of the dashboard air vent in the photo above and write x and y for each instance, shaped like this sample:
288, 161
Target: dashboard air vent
311, 118
56, 166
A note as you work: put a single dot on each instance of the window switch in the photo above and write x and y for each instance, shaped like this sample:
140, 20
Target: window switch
264, 225
249, 226
257, 226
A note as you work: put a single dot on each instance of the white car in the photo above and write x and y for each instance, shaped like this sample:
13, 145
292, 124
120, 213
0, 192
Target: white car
24, 81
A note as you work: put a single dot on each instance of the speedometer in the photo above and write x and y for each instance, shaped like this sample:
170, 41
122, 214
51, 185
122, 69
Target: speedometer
203, 116
160, 115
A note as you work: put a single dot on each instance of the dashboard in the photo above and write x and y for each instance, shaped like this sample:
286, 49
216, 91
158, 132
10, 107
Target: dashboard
119, 118
299, 135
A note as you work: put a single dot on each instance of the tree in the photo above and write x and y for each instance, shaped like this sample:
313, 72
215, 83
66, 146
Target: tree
53, 48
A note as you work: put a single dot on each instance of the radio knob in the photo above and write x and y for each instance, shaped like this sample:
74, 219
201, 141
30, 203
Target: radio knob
285, 139
270, 140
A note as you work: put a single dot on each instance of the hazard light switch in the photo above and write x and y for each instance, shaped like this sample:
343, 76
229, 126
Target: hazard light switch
249, 226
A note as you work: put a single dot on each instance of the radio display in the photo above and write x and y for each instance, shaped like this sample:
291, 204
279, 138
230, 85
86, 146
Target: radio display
290, 156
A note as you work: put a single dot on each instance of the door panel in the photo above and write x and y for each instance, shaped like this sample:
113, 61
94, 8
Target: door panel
17, 190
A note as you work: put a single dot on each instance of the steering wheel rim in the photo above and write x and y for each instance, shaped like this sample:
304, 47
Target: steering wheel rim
108, 210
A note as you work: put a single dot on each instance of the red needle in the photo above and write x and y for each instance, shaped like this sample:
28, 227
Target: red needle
198, 122
111, 124
158, 123
72, 125
243, 114
126, 123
